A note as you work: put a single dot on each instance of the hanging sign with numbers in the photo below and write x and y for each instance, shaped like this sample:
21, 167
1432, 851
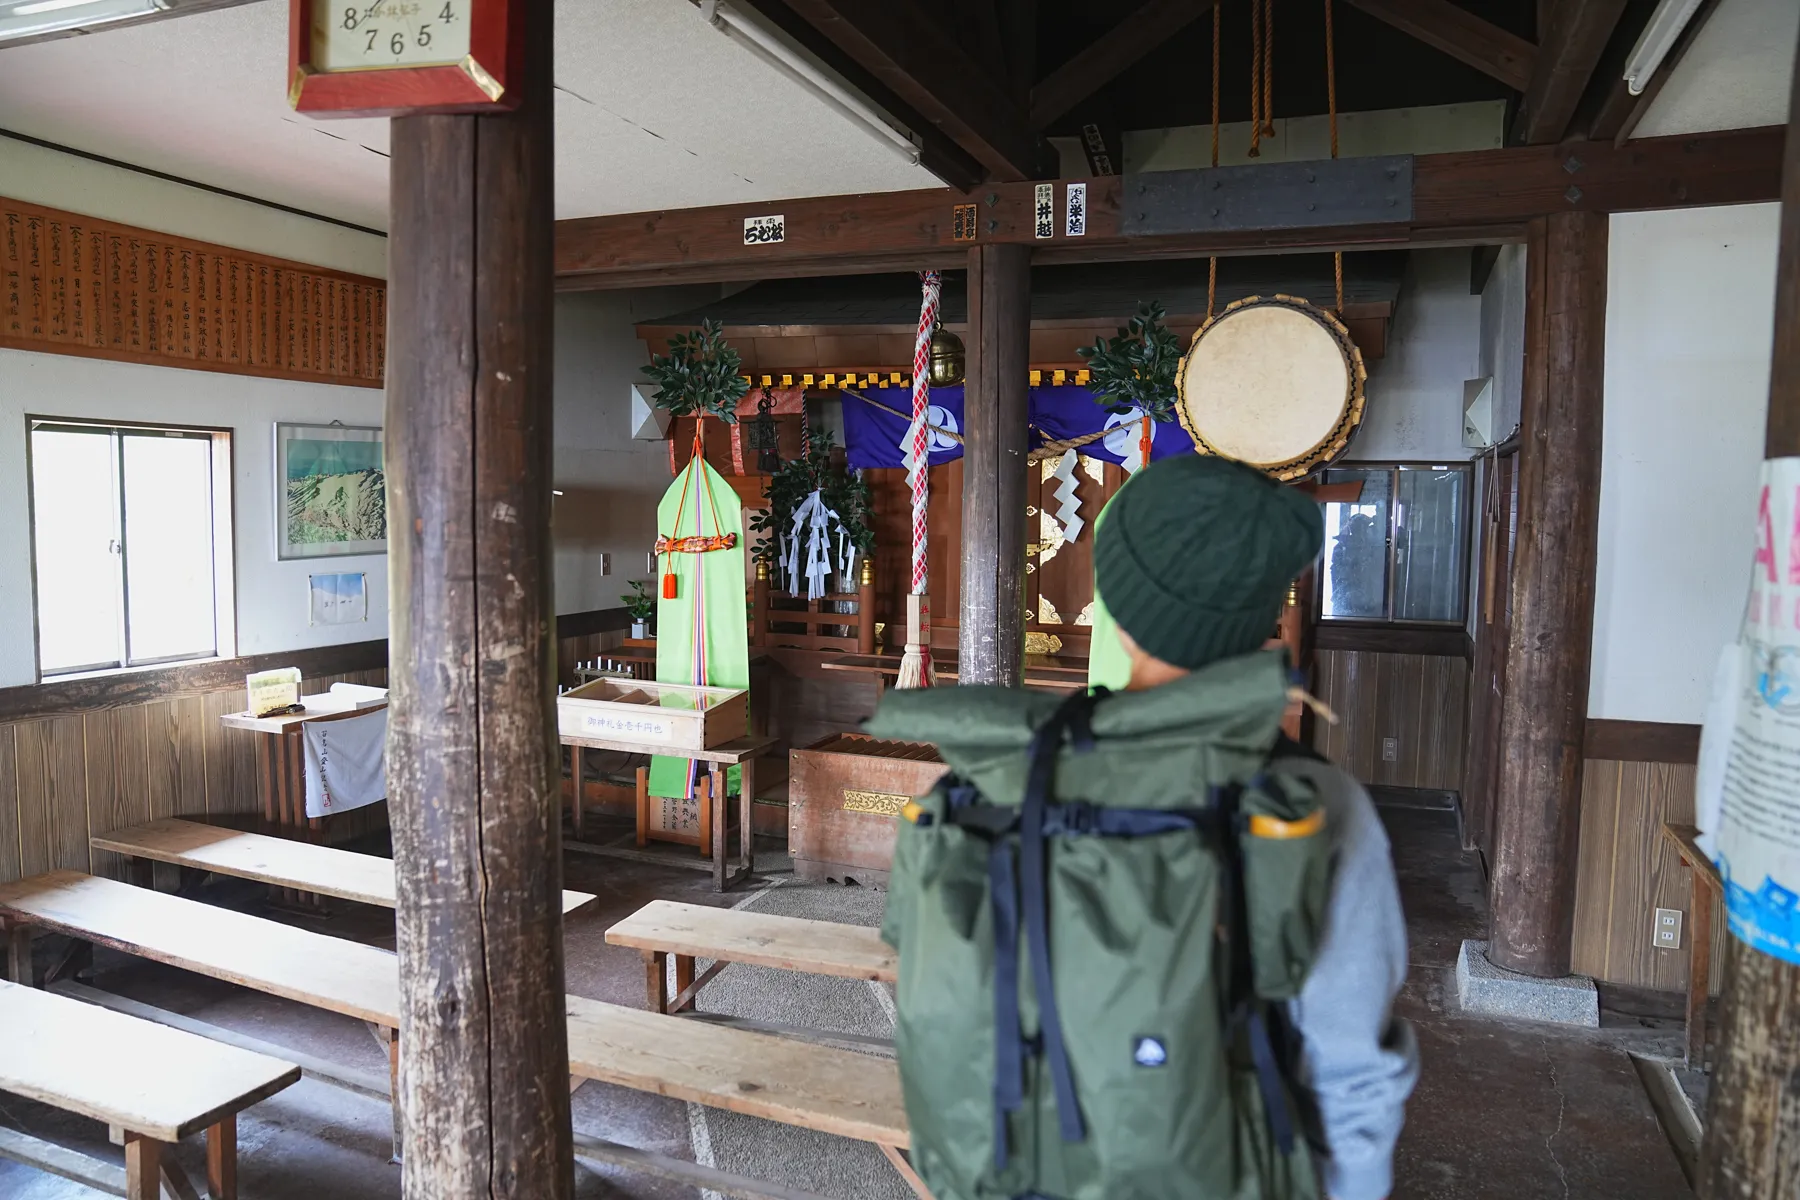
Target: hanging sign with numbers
368, 58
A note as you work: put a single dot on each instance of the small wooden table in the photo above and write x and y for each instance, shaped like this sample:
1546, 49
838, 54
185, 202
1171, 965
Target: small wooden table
741, 753
1041, 670
1706, 886
281, 760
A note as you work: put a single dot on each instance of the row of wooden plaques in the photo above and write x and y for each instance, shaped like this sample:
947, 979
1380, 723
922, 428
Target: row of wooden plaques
75, 285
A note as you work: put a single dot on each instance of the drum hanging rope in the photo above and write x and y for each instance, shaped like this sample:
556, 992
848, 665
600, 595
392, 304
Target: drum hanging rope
1212, 264
1256, 45
1331, 106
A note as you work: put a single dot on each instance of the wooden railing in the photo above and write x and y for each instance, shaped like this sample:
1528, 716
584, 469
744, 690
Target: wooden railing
787, 621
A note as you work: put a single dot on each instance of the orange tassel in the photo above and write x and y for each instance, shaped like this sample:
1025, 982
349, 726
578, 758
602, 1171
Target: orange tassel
669, 586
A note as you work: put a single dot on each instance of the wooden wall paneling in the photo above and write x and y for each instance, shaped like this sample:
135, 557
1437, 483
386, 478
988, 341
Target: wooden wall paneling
66, 782
99, 764
215, 753
163, 786
9, 803
32, 762
1627, 870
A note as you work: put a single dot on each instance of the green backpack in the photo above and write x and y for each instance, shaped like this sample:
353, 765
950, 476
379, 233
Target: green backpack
1099, 912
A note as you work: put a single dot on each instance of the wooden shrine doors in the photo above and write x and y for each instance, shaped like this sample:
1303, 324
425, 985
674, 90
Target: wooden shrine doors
1059, 581
1493, 620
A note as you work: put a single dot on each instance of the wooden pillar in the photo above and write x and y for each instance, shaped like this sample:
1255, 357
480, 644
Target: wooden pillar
472, 763
1544, 712
1752, 1145
991, 633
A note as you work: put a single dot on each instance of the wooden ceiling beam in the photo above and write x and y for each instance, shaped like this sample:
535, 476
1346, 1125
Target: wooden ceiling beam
1620, 112
1140, 32
1469, 196
1566, 60
932, 72
1462, 35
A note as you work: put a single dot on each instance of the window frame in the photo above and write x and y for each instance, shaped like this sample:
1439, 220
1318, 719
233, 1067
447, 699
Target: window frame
224, 524
1388, 621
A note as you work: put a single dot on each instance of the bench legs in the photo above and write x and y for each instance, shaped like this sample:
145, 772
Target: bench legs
18, 954
221, 1160
655, 976
393, 1045
143, 1168
1699, 970
905, 1167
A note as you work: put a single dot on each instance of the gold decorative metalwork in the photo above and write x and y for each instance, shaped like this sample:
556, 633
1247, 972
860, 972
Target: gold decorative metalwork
1047, 614
1086, 615
947, 358
1094, 468
876, 804
1042, 643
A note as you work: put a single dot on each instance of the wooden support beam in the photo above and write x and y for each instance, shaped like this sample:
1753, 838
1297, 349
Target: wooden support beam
472, 768
1566, 59
1544, 711
1752, 1142
991, 634
929, 68
1469, 196
1462, 35
1139, 32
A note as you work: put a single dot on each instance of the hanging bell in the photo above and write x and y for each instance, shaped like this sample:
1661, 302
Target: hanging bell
947, 358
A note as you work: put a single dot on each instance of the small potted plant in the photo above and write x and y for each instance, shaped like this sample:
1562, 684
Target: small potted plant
642, 606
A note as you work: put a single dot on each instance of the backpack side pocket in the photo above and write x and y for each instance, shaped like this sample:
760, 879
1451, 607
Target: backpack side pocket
1287, 880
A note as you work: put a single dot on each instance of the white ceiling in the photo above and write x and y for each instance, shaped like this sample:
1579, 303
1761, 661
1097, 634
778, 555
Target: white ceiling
1736, 74
653, 110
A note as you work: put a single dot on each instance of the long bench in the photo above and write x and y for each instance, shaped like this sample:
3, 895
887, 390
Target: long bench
815, 1087
668, 928
158, 1085
365, 878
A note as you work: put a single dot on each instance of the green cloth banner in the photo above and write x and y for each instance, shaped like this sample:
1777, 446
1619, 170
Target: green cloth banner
703, 504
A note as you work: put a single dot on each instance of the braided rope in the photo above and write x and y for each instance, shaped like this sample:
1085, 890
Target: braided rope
1256, 46
918, 454
1331, 105
1268, 103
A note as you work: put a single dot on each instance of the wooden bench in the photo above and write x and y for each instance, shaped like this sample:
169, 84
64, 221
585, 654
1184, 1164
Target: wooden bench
816, 1087
303, 866
688, 931
1707, 888
158, 1085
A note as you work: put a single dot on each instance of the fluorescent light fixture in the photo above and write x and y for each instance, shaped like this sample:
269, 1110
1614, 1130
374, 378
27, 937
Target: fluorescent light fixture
774, 48
38, 17
1659, 37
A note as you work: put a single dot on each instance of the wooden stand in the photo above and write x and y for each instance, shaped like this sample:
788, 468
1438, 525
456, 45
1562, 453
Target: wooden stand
741, 753
844, 794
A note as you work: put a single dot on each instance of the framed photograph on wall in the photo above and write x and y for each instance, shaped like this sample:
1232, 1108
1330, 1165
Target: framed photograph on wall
330, 491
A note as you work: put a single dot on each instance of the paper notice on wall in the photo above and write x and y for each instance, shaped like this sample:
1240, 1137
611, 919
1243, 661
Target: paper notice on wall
341, 599
1758, 837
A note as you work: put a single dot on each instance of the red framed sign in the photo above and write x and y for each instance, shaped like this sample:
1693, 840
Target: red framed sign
378, 58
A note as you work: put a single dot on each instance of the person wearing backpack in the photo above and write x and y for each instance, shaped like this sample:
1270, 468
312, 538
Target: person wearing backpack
1149, 947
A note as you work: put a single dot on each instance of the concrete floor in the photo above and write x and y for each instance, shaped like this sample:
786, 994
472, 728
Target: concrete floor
1502, 1110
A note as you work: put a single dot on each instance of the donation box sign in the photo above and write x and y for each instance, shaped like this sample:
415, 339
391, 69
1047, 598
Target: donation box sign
1759, 827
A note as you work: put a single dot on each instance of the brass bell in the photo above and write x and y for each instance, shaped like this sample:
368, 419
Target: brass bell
947, 358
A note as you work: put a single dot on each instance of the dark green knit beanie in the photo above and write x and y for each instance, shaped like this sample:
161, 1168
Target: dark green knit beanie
1195, 554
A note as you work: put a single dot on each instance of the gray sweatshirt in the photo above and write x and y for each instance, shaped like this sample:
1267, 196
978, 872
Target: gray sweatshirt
1359, 1060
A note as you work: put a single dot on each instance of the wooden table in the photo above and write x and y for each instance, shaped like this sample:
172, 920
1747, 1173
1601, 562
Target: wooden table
1706, 886
281, 759
741, 753
1041, 670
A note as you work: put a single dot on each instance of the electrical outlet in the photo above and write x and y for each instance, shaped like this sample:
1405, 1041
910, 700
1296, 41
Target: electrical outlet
1390, 749
605, 563
1668, 929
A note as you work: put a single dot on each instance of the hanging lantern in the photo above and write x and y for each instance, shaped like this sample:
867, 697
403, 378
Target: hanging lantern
947, 358
765, 439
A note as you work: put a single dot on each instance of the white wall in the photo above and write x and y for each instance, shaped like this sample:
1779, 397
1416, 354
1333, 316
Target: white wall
1689, 329
1503, 337
271, 596
1414, 395
610, 483
38, 175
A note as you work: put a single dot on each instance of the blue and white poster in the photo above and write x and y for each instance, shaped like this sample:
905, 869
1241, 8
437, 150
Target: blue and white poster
1758, 835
